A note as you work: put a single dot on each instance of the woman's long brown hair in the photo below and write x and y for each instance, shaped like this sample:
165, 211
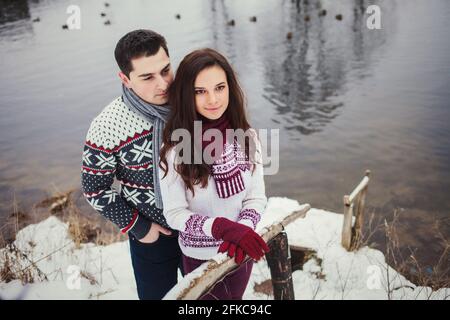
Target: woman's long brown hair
183, 112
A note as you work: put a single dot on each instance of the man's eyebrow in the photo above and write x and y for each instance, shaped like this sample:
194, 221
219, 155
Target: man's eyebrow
150, 74
215, 85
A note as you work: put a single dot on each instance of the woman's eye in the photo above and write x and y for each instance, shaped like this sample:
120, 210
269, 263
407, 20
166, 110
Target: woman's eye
165, 72
199, 91
220, 88
149, 78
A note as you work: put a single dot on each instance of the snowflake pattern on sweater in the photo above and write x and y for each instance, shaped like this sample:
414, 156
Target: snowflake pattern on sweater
119, 146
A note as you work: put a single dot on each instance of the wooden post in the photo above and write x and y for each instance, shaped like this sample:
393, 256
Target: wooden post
359, 220
347, 225
279, 262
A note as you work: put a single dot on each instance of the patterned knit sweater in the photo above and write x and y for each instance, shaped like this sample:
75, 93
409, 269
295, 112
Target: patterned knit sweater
193, 216
119, 145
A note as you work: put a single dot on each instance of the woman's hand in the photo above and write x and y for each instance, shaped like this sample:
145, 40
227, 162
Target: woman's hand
241, 235
233, 250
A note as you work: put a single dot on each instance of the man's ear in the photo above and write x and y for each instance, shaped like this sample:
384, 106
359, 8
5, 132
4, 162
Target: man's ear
124, 79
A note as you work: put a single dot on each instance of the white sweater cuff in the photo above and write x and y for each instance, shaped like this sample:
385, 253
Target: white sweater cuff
207, 226
248, 223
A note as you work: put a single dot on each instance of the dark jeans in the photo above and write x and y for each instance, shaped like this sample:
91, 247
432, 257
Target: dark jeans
155, 265
232, 287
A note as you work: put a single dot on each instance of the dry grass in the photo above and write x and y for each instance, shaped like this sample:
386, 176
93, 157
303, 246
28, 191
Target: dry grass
89, 277
17, 266
14, 222
57, 202
85, 230
82, 229
403, 258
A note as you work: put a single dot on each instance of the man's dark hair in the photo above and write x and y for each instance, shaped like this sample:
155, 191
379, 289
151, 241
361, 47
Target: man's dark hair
136, 44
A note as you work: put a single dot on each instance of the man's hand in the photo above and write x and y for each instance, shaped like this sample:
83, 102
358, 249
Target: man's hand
153, 234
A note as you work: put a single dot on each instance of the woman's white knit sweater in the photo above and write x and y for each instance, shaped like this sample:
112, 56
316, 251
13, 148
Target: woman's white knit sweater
193, 216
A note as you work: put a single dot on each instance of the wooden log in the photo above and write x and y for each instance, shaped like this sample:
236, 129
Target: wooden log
215, 271
279, 261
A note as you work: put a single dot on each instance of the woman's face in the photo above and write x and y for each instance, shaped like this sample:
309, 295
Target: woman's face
211, 92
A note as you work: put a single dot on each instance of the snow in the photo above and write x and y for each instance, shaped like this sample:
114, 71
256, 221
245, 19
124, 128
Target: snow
110, 266
333, 273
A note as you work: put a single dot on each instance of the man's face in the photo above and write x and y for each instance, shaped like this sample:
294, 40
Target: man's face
150, 78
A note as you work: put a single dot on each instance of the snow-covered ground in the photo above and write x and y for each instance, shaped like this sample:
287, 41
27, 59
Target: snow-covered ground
105, 272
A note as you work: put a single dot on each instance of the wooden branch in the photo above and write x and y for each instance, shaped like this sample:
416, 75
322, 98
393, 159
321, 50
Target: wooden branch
354, 203
215, 271
359, 188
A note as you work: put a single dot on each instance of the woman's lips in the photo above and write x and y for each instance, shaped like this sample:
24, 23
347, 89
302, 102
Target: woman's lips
212, 109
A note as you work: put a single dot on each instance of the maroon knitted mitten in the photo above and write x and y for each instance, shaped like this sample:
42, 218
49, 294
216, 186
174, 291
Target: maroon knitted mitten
232, 251
242, 236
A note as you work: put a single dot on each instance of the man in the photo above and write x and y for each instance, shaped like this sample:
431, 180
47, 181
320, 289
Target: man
123, 142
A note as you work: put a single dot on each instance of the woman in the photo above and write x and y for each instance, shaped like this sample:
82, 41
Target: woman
215, 204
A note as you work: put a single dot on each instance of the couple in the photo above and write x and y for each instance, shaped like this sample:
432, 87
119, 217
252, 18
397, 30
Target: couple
177, 214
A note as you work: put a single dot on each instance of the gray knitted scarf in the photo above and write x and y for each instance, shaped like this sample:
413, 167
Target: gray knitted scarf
157, 115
